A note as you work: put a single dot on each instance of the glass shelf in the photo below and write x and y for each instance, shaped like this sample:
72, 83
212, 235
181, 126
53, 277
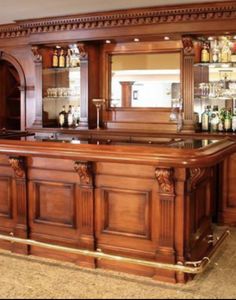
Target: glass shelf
66, 98
217, 65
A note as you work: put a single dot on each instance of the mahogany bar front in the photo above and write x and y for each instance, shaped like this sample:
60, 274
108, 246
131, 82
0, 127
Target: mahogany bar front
152, 202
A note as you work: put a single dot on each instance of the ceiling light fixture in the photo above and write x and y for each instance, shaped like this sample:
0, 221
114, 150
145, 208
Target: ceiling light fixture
136, 40
108, 41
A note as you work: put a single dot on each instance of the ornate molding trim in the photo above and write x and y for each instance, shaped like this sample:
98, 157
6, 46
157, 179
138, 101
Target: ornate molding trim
165, 180
148, 16
18, 166
196, 174
84, 170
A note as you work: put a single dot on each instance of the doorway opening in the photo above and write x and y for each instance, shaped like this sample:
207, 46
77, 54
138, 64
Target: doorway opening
10, 97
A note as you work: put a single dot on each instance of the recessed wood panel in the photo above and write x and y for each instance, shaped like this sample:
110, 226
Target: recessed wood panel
5, 197
126, 212
55, 203
231, 182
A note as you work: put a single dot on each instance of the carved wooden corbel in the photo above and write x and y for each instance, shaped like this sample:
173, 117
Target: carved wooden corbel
84, 170
82, 52
18, 166
188, 45
36, 54
196, 174
165, 180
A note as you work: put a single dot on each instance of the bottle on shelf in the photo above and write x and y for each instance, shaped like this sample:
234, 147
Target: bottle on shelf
205, 120
225, 54
70, 116
77, 115
68, 58
63, 117
215, 51
221, 120
55, 60
234, 122
61, 63
227, 121
205, 53
214, 119
233, 52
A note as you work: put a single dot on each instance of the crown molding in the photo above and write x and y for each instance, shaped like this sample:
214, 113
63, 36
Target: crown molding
132, 17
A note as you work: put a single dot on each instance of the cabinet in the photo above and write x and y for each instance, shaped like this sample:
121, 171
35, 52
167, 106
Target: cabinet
61, 87
215, 89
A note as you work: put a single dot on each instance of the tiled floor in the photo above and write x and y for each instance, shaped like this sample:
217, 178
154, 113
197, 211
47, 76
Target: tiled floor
31, 277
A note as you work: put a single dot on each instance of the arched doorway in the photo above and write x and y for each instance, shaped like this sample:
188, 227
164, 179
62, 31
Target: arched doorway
12, 94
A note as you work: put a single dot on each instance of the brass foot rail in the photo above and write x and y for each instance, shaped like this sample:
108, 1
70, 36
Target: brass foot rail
187, 267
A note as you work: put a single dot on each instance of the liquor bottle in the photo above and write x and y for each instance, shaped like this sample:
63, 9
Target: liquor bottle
215, 52
234, 123
205, 120
227, 121
225, 51
222, 120
215, 119
205, 53
77, 115
70, 117
61, 63
233, 52
55, 59
63, 117
68, 58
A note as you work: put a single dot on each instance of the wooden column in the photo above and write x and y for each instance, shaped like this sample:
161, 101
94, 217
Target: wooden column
38, 87
83, 87
126, 93
188, 83
85, 210
20, 203
166, 252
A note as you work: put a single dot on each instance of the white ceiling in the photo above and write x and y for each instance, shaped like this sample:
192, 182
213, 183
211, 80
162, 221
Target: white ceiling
12, 10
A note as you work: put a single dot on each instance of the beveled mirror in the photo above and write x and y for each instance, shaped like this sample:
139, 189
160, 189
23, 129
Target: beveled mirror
145, 79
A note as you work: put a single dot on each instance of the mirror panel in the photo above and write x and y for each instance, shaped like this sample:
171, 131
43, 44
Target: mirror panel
145, 80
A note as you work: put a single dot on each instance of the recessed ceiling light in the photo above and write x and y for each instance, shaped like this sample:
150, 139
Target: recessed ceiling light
108, 41
166, 38
58, 47
136, 40
210, 38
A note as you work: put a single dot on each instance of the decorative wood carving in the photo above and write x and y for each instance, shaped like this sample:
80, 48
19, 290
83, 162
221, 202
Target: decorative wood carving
165, 180
36, 54
82, 52
196, 174
188, 45
18, 165
84, 170
149, 16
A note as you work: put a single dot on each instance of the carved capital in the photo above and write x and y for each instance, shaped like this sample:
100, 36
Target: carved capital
36, 54
188, 45
84, 170
165, 180
196, 174
18, 166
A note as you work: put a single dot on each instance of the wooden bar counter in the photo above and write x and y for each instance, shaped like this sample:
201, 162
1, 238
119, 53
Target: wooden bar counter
152, 202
